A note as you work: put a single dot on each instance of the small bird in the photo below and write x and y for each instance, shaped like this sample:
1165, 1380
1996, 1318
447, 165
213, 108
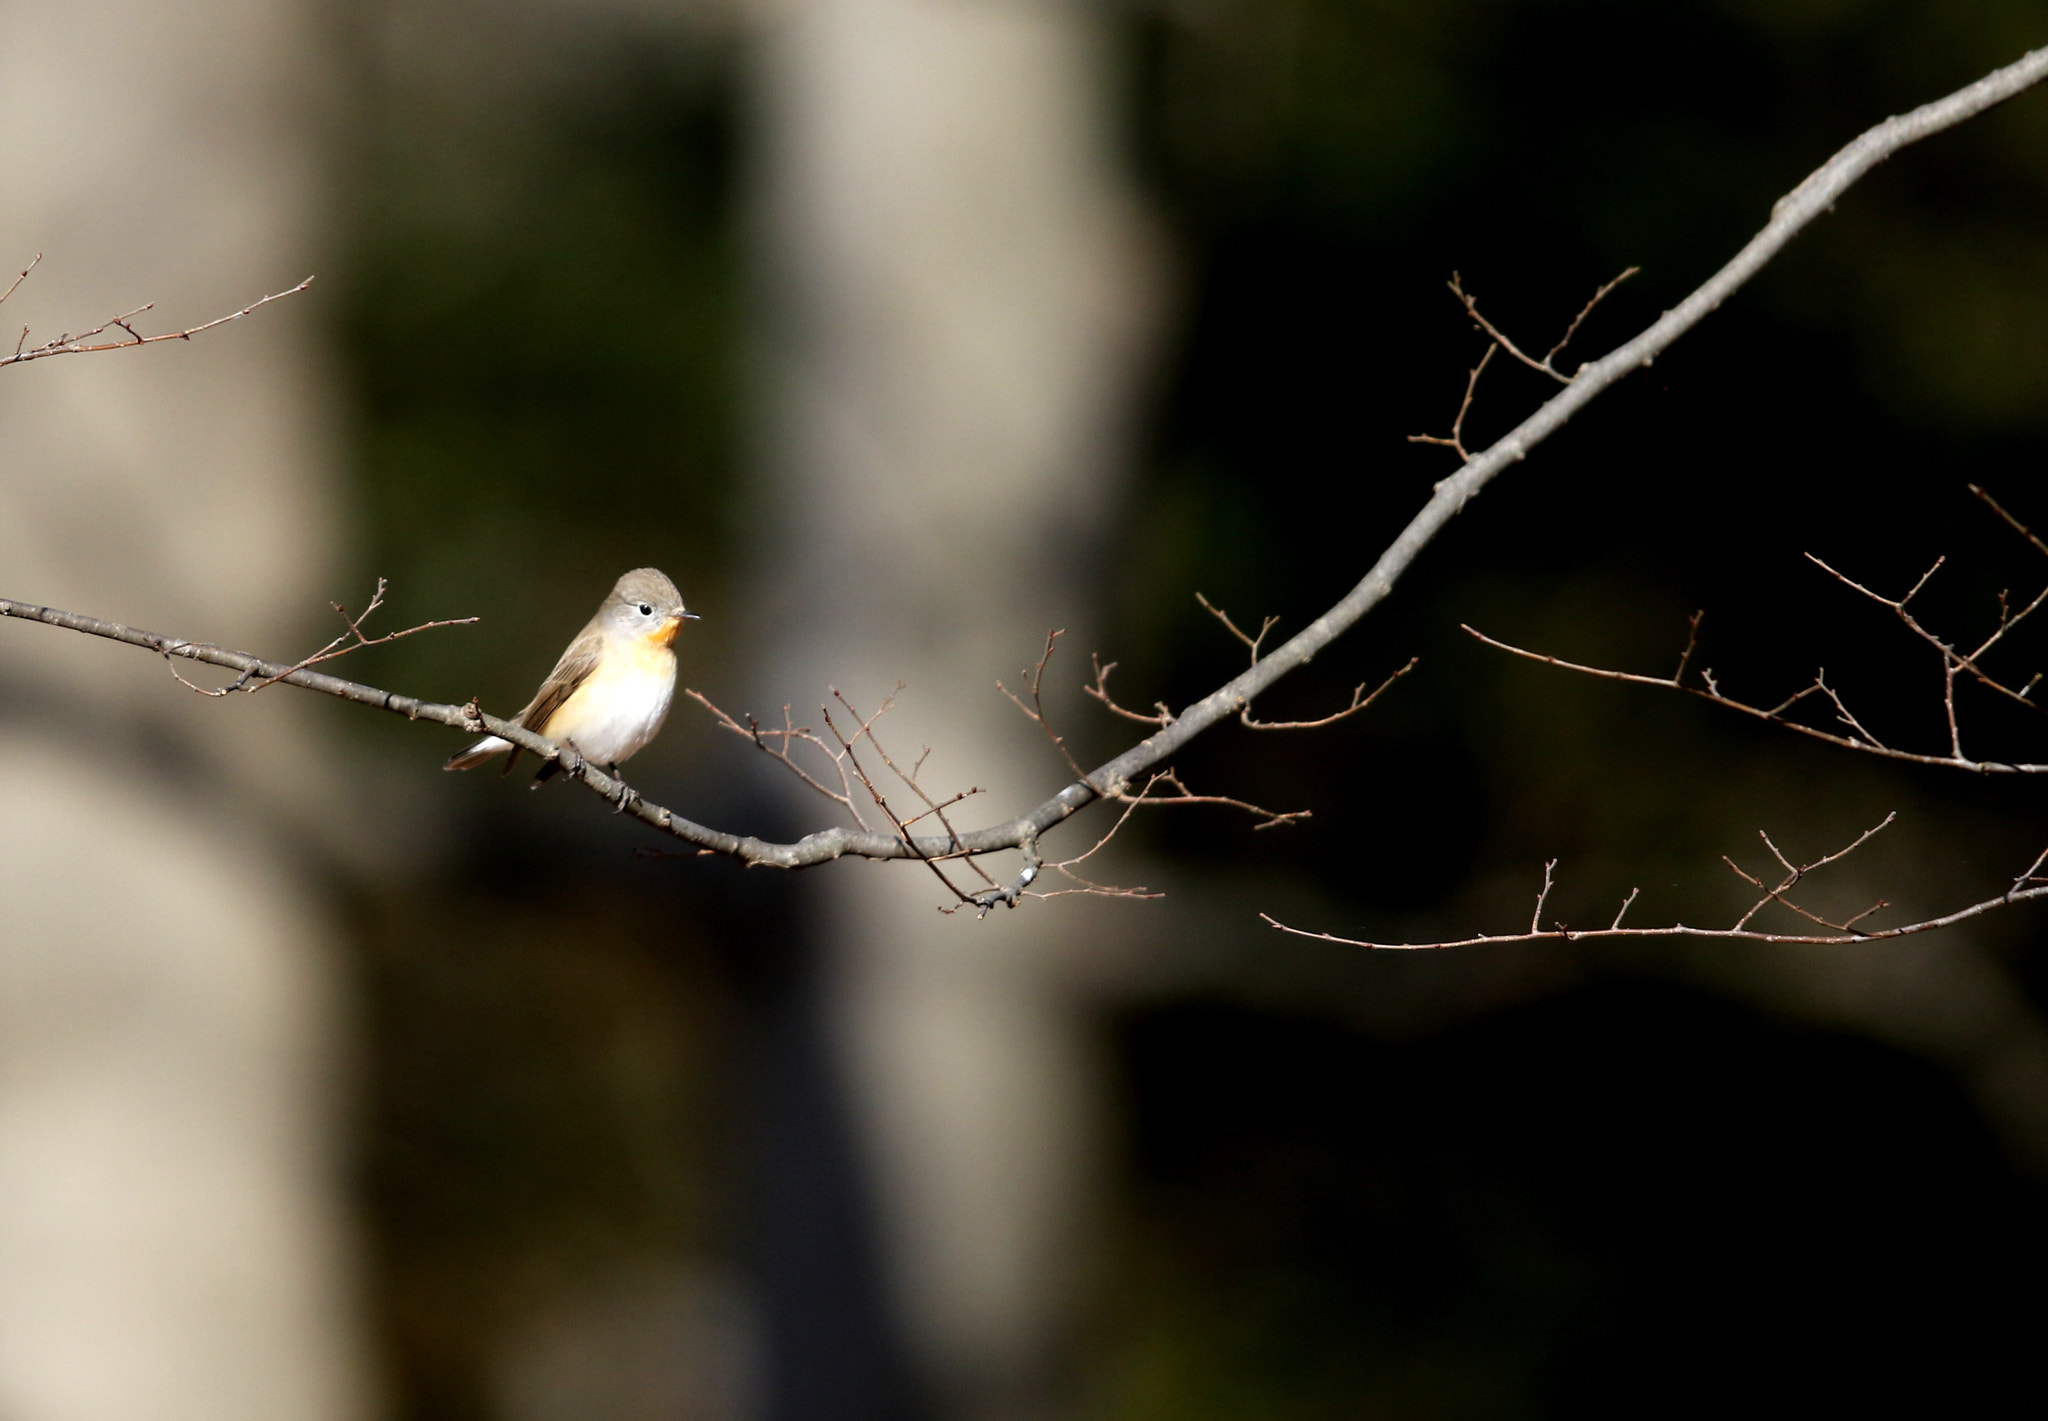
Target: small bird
609, 693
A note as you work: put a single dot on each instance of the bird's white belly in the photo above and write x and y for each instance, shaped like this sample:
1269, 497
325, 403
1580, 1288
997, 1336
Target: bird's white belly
619, 708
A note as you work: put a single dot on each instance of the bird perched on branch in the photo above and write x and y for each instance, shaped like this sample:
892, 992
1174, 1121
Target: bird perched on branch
609, 693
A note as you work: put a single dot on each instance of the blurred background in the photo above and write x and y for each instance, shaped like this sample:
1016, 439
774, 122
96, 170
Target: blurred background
900, 332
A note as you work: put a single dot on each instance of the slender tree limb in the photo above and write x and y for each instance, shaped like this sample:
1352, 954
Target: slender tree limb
1832, 932
1561, 934
1955, 662
15, 285
1789, 216
1545, 365
1859, 739
1113, 779
1455, 440
87, 342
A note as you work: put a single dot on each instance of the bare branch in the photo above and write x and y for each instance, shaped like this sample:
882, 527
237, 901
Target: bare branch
1775, 715
1161, 715
1954, 663
15, 284
354, 640
865, 728
1252, 643
1816, 195
2022, 529
942, 806
1842, 714
81, 344
1034, 682
2032, 875
1580, 319
791, 733
1542, 896
1359, 701
1088, 886
1692, 641
1836, 939
2026, 887
1471, 305
351, 639
1012, 893
1269, 818
1456, 439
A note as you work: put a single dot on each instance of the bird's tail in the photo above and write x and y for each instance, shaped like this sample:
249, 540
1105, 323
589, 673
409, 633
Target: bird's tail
476, 754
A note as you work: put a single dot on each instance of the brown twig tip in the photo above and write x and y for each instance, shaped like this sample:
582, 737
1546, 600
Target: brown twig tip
1471, 304
1359, 699
350, 640
80, 344
353, 638
1251, 643
1852, 734
1542, 896
1455, 440
1993, 504
1579, 320
1359, 702
1034, 684
1831, 932
1692, 641
1161, 715
1497, 341
15, 284
1181, 794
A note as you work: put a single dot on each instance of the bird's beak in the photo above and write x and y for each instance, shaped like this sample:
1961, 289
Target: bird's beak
690, 616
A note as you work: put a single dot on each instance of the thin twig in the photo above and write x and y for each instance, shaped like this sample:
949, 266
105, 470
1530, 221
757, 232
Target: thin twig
1713, 693
1034, 682
1692, 641
15, 284
1835, 933
1814, 196
1578, 320
351, 639
1996, 507
1542, 896
1456, 439
1252, 643
1359, 702
1842, 939
1499, 338
1953, 664
791, 733
1269, 818
864, 728
1160, 716
80, 344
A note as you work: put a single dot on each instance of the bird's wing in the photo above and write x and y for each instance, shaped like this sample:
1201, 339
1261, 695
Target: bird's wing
570, 672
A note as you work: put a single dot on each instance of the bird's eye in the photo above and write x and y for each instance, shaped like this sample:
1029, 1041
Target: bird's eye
645, 610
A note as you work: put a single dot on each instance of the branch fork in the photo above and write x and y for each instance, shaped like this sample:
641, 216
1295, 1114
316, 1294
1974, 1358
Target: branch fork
1171, 730
87, 342
1824, 931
